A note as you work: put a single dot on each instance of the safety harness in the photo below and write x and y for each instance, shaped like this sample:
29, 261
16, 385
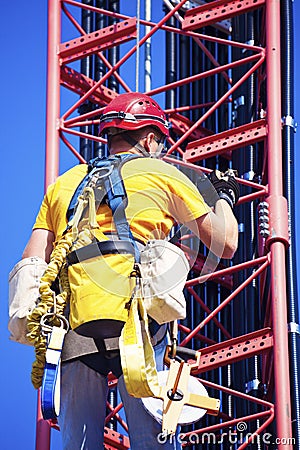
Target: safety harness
47, 325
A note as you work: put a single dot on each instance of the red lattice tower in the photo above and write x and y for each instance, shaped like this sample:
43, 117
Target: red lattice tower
192, 143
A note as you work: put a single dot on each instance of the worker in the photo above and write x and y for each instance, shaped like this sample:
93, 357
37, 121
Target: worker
159, 196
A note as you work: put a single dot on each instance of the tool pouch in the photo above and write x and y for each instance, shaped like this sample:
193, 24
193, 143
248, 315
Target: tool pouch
164, 269
24, 281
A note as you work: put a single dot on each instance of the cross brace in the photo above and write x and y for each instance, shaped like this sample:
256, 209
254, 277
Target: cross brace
97, 41
114, 440
216, 11
234, 350
80, 84
225, 280
227, 140
181, 124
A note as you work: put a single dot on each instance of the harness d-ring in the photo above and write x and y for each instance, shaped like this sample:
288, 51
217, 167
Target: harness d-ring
107, 171
49, 317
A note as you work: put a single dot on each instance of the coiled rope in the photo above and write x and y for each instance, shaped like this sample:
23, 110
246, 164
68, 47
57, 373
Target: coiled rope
72, 239
35, 334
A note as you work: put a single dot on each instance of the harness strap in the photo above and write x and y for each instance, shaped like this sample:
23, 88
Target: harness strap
136, 351
50, 392
106, 173
97, 249
117, 201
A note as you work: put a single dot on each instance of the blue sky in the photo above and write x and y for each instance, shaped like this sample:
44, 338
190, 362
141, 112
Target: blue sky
23, 80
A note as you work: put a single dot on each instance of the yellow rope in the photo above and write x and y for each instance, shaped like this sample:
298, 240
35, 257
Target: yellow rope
35, 336
73, 239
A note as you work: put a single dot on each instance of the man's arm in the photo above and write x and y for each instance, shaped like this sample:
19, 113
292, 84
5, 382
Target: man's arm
24, 282
218, 230
40, 244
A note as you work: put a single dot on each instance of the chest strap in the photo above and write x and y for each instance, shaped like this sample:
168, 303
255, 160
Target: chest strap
105, 175
98, 249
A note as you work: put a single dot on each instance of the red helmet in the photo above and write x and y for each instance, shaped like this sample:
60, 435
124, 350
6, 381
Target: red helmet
132, 111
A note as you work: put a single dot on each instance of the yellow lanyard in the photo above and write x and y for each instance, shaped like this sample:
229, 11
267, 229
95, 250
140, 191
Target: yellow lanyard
137, 354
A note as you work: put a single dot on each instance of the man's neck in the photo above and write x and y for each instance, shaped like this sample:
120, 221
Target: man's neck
114, 150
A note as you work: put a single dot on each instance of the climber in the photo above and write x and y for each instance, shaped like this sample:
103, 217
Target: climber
159, 196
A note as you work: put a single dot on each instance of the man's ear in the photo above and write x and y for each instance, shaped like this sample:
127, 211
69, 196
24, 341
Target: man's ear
149, 139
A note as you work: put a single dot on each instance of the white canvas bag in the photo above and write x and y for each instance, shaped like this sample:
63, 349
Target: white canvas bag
164, 270
24, 282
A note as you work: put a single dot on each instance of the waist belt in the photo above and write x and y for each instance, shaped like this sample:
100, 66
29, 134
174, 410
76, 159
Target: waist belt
108, 344
99, 248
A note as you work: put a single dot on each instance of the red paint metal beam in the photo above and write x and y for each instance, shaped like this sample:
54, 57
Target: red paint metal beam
227, 140
217, 11
164, 27
97, 41
268, 413
80, 84
234, 350
43, 429
53, 94
277, 247
114, 414
198, 337
225, 280
205, 433
228, 270
206, 309
99, 54
180, 125
224, 97
198, 260
123, 59
225, 302
115, 440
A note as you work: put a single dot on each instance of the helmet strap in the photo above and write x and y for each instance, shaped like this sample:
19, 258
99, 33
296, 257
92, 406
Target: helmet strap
158, 151
135, 144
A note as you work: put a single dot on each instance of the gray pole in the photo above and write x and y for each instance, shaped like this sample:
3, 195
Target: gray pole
147, 48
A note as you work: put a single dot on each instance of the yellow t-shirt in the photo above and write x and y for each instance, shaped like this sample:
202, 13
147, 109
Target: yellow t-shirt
159, 195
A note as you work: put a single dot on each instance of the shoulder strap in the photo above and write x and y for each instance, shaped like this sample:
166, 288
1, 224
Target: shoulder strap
117, 201
107, 172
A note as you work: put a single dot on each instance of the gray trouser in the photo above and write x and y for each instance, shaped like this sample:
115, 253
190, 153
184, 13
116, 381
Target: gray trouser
83, 410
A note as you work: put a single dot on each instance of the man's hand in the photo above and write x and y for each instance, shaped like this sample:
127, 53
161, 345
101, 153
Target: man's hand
226, 186
219, 185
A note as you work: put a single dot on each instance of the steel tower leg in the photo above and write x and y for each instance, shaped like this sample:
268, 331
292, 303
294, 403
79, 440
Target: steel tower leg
53, 93
288, 131
277, 245
43, 427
